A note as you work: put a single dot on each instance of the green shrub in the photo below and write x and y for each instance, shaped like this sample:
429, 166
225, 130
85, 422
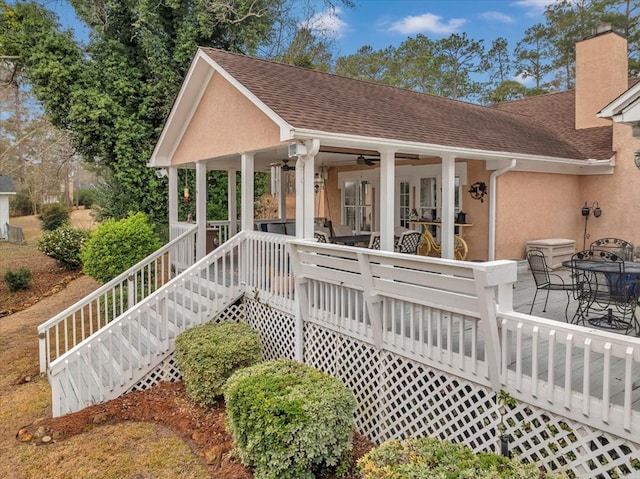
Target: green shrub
17, 280
53, 216
289, 420
208, 354
21, 204
64, 245
85, 197
115, 246
430, 457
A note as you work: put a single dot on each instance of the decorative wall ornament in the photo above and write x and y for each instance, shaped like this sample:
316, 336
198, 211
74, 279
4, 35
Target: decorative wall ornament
478, 190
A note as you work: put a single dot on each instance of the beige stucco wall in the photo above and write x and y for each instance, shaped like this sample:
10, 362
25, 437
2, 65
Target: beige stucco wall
225, 123
618, 194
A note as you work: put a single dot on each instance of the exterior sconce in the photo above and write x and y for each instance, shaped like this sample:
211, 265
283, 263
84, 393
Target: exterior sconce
636, 158
587, 211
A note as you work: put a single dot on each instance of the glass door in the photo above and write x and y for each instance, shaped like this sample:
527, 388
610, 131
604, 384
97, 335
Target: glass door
404, 211
358, 205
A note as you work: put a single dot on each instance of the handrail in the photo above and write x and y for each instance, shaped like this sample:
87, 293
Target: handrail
133, 343
83, 318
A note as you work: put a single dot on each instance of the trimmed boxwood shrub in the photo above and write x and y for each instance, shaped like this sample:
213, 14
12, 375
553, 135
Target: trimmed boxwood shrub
430, 457
53, 216
64, 245
289, 420
208, 354
17, 280
115, 246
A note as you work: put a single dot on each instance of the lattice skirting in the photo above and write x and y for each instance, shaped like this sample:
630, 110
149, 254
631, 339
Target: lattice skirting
399, 398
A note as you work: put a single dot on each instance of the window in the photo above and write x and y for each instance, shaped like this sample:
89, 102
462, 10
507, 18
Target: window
358, 201
405, 203
430, 198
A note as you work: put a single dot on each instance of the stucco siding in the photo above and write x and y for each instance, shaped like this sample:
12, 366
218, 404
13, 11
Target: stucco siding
225, 123
535, 206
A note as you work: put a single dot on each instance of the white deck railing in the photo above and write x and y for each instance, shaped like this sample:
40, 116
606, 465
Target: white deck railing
81, 320
457, 317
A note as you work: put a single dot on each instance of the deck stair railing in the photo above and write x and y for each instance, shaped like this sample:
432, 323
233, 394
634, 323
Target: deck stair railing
122, 353
73, 325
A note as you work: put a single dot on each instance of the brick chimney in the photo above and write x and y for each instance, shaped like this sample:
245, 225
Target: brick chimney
601, 74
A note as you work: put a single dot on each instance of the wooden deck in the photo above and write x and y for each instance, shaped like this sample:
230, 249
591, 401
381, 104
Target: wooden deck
523, 294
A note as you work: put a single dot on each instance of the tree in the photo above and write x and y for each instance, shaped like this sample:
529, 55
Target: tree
531, 55
417, 66
366, 64
114, 94
460, 58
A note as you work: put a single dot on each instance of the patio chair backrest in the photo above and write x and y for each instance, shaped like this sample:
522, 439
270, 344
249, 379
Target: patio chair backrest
374, 241
621, 248
409, 241
538, 267
321, 236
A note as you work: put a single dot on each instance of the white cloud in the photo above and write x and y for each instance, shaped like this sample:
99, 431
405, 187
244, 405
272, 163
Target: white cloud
428, 23
535, 7
497, 17
328, 23
528, 81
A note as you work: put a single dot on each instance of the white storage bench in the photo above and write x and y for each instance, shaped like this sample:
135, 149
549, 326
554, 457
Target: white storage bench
556, 250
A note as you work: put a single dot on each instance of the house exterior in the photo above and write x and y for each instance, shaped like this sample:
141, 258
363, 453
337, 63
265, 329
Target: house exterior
426, 344
541, 158
7, 189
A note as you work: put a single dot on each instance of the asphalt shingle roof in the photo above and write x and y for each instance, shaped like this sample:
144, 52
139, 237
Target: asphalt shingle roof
6, 184
320, 101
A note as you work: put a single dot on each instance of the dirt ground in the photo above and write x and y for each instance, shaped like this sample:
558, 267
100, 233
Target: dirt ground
202, 430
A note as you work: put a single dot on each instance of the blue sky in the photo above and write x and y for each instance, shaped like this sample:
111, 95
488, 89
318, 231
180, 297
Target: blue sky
381, 23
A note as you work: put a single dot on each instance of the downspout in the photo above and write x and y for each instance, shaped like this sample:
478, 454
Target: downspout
492, 207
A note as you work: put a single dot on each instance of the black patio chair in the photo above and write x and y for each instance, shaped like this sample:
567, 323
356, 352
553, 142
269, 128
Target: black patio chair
321, 236
374, 240
621, 248
408, 242
547, 281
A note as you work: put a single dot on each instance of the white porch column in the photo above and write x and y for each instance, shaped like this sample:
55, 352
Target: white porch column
387, 199
309, 199
201, 209
232, 208
300, 197
448, 205
246, 189
173, 194
283, 184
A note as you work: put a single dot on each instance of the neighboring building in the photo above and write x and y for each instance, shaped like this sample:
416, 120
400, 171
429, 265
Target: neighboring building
7, 189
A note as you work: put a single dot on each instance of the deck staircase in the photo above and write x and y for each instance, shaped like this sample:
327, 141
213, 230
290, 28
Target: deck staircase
119, 354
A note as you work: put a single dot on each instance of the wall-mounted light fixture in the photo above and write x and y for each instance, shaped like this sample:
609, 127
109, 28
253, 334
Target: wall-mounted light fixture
587, 211
636, 158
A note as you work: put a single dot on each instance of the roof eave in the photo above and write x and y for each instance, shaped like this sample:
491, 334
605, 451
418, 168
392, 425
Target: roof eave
494, 158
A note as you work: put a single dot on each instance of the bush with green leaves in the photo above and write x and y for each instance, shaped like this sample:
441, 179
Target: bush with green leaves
289, 420
53, 216
64, 245
115, 246
430, 457
85, 197
17, 280
208, 354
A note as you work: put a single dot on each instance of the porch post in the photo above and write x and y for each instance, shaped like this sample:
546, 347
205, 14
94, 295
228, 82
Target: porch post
309, 199
232, 208
387, 199
173, 194
300, 207
201, 209
246, 190
448, 205
282, 192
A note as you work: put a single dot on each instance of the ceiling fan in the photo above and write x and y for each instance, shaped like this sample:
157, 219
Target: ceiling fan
284, 166
363, 160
